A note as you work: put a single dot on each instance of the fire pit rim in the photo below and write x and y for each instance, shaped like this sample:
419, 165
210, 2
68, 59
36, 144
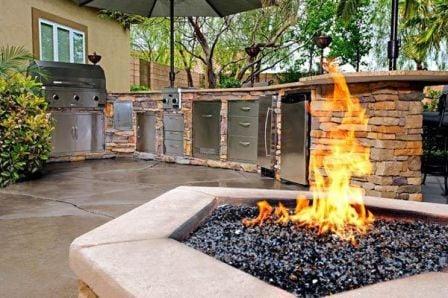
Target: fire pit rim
106, 257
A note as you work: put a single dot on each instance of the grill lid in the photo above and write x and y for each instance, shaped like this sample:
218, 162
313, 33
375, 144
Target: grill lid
61, 74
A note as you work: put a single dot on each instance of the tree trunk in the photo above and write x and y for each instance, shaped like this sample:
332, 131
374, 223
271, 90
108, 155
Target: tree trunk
358, 59
310, 66
211, 76
419, 65
189, 77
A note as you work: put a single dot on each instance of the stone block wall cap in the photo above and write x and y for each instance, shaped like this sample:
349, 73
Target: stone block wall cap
425, 77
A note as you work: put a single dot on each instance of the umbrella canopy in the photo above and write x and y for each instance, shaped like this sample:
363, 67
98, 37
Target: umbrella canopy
182, 8
175, 8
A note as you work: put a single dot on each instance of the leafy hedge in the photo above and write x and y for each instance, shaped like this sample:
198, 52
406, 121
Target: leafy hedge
25, 128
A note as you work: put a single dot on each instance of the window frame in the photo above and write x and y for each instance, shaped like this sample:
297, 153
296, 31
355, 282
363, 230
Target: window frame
72, 32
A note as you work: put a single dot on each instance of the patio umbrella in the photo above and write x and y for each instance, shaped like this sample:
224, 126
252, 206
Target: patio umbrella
174, 8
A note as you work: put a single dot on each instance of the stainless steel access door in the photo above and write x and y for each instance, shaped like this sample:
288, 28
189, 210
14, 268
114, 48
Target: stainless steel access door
295, 138
146, 132
63, 138
83, 132
206, 129
265, 132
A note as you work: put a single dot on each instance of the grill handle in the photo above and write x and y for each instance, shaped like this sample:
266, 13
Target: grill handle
207, 116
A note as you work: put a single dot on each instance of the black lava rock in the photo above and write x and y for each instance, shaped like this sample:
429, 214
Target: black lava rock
306, 264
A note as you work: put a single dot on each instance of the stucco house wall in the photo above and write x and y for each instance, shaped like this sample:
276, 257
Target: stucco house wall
105, 37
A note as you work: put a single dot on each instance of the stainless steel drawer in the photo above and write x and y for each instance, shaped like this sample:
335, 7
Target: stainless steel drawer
242, 149
174, 147
174, 122
174, 135
243, 108
243, 126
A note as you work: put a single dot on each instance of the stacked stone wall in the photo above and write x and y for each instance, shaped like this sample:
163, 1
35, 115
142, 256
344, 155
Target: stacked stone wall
393, 134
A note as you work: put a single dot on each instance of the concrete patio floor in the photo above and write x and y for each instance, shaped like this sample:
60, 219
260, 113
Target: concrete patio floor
40, 218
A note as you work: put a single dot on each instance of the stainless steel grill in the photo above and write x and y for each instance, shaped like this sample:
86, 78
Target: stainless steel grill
72, 85
76, 94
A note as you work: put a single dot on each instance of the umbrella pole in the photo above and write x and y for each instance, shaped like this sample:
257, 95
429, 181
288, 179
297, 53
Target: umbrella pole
172, 73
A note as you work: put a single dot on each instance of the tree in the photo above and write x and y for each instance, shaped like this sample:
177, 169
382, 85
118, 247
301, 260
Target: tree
352, 36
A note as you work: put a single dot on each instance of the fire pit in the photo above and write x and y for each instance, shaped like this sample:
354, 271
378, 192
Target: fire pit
141, 253
300, 261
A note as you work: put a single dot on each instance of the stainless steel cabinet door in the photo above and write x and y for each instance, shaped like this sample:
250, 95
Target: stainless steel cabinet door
63, 139
83, 132
295, 138
123, 115
206, 129
146, 132
98, 144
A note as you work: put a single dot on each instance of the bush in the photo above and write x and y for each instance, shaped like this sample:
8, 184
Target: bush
25, 128
229, 82
137, 88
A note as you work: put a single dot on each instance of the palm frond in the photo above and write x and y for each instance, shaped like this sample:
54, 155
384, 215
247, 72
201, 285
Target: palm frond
13, 59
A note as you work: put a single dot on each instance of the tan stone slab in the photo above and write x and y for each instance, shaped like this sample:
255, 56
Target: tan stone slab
430, 285
163, 268
415, 76
156, 219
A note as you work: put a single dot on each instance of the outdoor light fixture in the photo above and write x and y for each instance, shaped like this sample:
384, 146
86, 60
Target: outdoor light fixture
394, 43
322, 41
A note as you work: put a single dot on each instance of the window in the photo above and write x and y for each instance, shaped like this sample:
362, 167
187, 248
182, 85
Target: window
60, 43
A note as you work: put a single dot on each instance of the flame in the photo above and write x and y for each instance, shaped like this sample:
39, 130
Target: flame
337, 206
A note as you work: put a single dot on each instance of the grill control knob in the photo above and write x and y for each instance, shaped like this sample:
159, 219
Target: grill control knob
96, 98
55, 97
174, 100
76, 97
164, 100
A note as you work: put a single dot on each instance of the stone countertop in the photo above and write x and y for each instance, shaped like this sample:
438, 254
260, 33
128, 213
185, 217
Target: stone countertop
427, 78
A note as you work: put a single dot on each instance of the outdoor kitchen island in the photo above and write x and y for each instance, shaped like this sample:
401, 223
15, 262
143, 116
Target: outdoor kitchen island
392, 101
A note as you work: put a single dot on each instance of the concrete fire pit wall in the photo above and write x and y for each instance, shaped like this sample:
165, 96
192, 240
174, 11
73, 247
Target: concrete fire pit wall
393, 135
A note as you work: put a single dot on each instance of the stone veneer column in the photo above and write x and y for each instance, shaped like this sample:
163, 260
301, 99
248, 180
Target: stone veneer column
393, 135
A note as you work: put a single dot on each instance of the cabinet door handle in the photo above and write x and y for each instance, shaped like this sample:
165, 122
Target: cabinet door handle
245, 144
246, 109
73, 133
207, 116
268, 115
76, 131
245, 124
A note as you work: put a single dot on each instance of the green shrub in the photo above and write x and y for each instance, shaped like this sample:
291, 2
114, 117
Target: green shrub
136, 88
229, 82
25, 128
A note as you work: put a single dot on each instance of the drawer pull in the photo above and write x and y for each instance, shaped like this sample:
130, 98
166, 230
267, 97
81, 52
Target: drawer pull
246, 109
245, 124
245, 144
174, 146
207, 116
